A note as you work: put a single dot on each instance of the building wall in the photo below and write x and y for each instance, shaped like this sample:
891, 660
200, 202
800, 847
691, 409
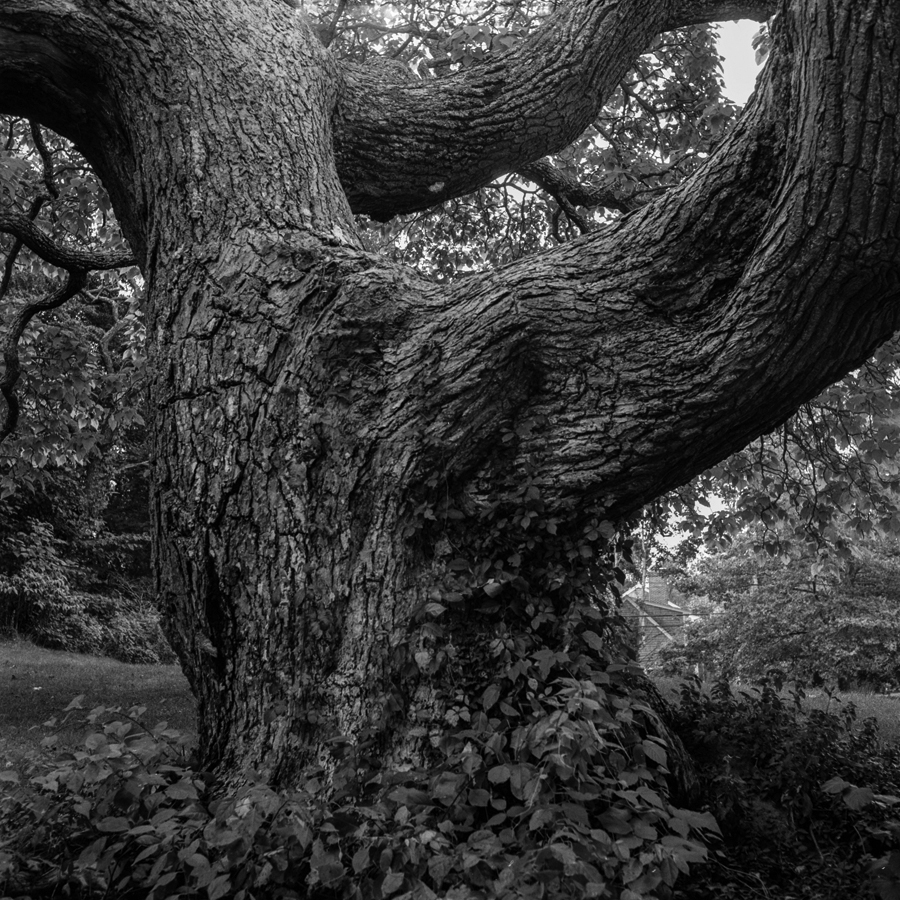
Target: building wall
653, 612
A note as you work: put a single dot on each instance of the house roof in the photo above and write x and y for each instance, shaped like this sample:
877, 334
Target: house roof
658, 593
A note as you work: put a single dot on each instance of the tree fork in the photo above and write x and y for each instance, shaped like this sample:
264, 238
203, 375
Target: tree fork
306, 392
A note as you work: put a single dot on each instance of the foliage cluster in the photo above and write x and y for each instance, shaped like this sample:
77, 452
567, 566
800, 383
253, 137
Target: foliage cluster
811, 490
783, 783
807, 801
50, 593
76, 460
550, 783
82, 365
81, 394
753, 615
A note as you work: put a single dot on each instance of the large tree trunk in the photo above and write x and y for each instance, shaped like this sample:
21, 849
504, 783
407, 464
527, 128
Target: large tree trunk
315, 406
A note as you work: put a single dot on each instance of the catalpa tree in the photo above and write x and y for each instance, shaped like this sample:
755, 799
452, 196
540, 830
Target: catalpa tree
344, 448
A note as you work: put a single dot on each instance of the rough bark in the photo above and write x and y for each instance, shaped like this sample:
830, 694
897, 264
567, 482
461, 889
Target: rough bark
405, 146
306, 393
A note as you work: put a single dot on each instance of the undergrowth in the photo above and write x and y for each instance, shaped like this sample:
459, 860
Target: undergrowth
550, 784
544, 768
44, 596
807, 799
568, 805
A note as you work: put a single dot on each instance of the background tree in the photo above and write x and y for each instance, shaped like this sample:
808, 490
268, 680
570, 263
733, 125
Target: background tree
800, 531
816, 487
80, 366
753, 616
68, 579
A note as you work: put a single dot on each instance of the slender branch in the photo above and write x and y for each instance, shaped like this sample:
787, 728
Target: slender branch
566, 189
75, 260
574, 216
331, 30
75, 281
77, 263
46, 160
106, 340
120, 470
52, 193
10, 264
411, 29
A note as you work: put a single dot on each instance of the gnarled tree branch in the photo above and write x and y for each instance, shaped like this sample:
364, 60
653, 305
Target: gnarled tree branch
65, 257
404, 147
662, 343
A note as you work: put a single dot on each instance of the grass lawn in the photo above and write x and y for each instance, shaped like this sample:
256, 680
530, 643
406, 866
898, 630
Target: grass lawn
883, 707
37, 684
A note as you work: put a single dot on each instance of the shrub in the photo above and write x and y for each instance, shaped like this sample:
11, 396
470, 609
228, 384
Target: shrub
777, 779
40, 599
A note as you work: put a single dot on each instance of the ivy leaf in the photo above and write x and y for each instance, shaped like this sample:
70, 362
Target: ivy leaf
219, 887
360, 860
393, 881
329, 870
835, 785
490, 697
95, 741
593, 640
499, 774
447, 786
859, 797
655, 752
539, 818
183, 790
